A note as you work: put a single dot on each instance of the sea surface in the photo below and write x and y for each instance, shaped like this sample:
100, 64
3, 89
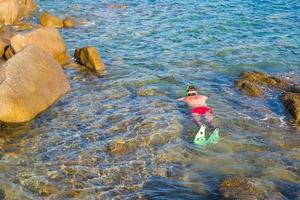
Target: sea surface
123, 135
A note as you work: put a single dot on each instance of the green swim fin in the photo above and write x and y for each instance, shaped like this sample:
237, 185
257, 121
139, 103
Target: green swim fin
200, 137
214, 138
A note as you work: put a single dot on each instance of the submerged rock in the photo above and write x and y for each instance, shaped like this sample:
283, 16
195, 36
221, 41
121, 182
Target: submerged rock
122, 146
249, 88
39, 185
118, 6
280, 173
146, 91
292, 103
89, 57
49, 20
237, 187
31, 81
49, 39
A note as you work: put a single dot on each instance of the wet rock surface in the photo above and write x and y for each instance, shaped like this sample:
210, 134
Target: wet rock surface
89, 57
36, 80
49, 20
265, 79
249, 88
292, 102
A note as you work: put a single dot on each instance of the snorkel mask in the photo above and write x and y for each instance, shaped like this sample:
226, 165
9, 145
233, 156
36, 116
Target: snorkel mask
191, 91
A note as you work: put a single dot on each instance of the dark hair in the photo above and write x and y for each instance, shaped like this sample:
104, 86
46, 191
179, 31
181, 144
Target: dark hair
191, 88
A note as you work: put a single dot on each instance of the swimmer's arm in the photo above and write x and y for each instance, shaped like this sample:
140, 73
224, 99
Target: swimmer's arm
181, 99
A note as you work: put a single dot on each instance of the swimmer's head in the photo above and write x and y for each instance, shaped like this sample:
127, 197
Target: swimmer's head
191, 90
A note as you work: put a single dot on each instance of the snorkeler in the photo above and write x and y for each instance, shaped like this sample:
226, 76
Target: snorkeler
197, 104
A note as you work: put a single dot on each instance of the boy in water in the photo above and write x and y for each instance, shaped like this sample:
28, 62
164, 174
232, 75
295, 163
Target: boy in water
197, 104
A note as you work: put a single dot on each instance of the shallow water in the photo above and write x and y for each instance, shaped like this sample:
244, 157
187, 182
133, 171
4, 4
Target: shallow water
123, 135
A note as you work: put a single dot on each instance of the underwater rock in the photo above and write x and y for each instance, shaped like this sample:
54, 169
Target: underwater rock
280, 173
265, 79
49, 39
249, 88
31, 81
89, 57
118, 6
296, 89
237, 187
144, 92
292, 103
49, 20
2, 194
13, 191
122, 146
38, 184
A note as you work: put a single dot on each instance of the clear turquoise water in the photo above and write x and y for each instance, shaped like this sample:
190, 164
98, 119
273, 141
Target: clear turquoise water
159, 47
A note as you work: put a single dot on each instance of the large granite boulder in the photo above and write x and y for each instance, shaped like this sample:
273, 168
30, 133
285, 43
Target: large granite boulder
292, 103
12, 11
6, 34
46, 38
49, 20
29, 6
89, 57
30, 82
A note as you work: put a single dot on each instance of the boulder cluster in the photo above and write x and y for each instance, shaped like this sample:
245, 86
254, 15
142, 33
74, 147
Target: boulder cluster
252, 83
31, 62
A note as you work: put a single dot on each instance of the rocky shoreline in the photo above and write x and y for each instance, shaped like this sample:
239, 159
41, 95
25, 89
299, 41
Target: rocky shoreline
32, 58
32, 78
